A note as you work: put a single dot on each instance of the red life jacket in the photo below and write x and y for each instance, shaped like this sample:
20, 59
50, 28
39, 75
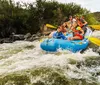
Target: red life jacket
76, 31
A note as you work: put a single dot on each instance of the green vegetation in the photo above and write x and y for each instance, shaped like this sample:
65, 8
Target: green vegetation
90, 18
22, 18
97, 15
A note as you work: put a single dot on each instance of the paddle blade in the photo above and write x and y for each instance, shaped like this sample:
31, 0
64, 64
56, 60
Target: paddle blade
50, 26
94, 40
96, 27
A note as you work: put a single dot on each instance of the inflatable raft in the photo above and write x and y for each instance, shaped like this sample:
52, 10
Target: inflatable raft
53, 45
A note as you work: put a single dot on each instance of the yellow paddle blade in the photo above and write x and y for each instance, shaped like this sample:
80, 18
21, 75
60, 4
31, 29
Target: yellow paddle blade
51, 26
94, 40
96, 27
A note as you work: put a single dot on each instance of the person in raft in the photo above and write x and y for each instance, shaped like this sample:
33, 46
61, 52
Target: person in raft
78, 33
70, 24
81, 22
59, 34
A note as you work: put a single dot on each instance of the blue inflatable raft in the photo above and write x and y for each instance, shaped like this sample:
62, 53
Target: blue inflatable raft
52, 44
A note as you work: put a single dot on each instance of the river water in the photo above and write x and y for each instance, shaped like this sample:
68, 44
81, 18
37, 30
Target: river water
25, 63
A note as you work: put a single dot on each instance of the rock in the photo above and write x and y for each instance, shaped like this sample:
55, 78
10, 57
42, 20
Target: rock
28, 35
1, 41
15, 37
33, 37
5, 40
39, 34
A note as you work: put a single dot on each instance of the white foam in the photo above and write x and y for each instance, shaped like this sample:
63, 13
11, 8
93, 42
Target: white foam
32, 58
96, 34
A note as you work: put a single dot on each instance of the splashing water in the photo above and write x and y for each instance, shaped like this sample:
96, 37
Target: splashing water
96, 34
33, 64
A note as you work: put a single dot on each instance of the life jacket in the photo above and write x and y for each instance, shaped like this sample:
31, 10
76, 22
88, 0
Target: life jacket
80, 23
59, 35
77, 30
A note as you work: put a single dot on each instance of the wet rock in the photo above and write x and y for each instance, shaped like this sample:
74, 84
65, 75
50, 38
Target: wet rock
33, 37
39, 34
14, 37
5, 40
28, 35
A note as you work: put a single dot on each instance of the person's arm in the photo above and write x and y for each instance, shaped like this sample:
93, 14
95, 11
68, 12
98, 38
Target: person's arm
84, 22
82, 32
64, 24
51, 34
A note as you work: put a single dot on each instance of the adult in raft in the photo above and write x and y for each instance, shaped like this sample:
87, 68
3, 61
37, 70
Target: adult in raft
78, 33
71, 23
80, 29
59, 34
75, 26
81, 22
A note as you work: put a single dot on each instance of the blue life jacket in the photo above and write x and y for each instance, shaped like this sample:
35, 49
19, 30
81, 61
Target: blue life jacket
59, 35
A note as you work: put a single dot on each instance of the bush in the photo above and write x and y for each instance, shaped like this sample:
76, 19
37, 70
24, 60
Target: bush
31, 17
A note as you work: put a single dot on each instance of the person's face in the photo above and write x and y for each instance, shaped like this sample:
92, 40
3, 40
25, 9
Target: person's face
70, 18
76, 17
60, 29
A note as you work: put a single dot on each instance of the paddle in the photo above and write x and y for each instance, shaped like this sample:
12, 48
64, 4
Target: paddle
95, 27
50, 26
94, 40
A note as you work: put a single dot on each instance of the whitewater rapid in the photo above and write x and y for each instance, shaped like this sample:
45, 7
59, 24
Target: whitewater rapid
22, 55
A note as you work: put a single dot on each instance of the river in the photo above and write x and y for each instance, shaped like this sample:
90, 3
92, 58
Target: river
25, 63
